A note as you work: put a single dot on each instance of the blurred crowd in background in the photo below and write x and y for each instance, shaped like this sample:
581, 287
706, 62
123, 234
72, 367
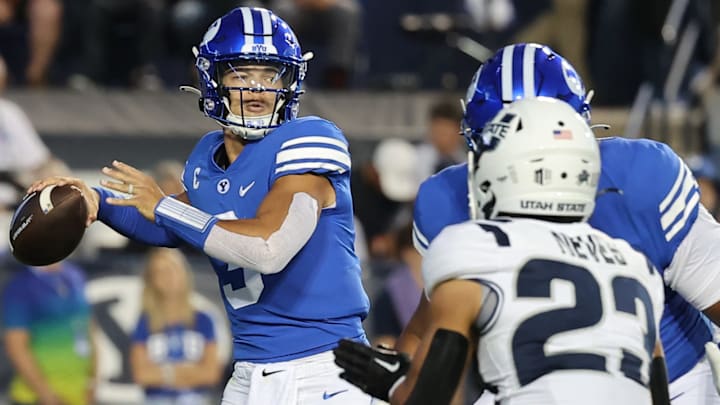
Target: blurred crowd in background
360, 44
657, 57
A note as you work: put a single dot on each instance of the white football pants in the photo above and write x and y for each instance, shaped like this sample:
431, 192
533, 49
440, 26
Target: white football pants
312, 380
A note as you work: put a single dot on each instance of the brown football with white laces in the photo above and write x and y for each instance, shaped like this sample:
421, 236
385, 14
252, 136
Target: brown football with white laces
48, 225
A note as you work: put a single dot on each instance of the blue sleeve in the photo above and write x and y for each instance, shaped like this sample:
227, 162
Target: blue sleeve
672, 197
204, 325
660, 197
142, 330
441, 201
15, 309
313, 146
128, 222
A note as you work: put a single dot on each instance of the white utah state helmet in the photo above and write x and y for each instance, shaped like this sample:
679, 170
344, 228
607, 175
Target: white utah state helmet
537, 157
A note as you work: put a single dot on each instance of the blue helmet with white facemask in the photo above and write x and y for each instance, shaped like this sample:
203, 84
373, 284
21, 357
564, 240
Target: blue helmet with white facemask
516, 72
250, 37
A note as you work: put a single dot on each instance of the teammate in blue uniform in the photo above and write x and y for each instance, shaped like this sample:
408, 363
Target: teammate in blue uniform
268, 199
647, 196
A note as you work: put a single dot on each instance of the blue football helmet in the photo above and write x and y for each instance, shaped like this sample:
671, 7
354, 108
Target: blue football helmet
250, 38
516, 72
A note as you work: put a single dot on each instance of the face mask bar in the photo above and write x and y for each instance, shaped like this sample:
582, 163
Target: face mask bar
246, 77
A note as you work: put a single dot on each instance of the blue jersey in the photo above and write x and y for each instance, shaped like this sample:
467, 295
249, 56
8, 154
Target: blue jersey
647, 196
174, 344
318, 298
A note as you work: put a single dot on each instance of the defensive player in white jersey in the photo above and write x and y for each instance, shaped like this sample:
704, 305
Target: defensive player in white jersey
564, 313
647, 197
267, 198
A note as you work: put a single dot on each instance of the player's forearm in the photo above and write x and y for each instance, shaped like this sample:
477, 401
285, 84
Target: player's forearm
408, 342
225, 240
128, 222
435, 372
411, 336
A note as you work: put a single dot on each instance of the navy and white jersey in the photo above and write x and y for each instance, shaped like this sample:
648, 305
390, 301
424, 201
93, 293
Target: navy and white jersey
569, 314
648, 197
177, 343
318, 298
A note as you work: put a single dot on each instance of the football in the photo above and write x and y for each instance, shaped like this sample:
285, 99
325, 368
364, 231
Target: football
48, 225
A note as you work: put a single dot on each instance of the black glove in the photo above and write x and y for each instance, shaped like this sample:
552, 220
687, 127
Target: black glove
373, 370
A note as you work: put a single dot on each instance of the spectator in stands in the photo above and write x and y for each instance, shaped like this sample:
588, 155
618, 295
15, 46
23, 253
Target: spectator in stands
23, 156
621, 30
174, 353
330, 28
21, 149
445, 147
400, 293
382, 193
557, 22
187, 21
124, 40
46, 319
29, 35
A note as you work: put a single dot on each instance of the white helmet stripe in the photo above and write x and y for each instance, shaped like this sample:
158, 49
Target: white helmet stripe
266, 26
529, 71
248, 25
507, 68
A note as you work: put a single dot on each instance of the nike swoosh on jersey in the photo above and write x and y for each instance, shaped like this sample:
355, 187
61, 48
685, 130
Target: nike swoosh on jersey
266, 373
244, 190
391, 367
332, 394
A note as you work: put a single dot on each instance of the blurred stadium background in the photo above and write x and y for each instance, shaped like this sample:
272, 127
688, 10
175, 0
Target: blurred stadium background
98, 80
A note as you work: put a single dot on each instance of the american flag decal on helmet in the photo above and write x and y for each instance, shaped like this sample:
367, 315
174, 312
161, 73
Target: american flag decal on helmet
562, 134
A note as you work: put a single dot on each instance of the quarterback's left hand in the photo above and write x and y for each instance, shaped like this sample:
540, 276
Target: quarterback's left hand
144, 192
373, 370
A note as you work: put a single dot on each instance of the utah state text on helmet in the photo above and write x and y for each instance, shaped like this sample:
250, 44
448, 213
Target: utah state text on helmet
541, 159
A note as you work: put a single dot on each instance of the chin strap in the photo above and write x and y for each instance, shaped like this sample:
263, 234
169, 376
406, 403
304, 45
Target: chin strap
473, 203
255, 127
601, 126
191, 89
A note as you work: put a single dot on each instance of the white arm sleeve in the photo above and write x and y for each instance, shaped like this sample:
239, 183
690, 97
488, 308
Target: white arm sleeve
695, 269
271, 255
